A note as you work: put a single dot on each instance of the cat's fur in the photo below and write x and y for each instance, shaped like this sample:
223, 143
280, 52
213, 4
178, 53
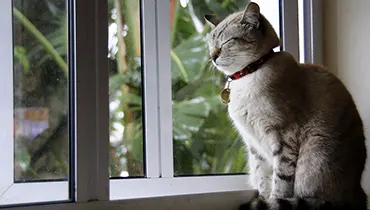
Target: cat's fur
300, 124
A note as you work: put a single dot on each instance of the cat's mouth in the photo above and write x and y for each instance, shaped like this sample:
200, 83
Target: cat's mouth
214, 63
220, 64
226, 69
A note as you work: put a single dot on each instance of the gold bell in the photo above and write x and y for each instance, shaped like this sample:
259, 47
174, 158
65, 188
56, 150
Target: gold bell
225, 93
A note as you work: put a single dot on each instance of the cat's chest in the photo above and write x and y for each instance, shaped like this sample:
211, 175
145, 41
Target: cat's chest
249, 111
243, 109
246, 101
251, 106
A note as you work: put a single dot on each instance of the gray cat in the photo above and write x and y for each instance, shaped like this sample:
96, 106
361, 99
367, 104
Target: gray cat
301, 126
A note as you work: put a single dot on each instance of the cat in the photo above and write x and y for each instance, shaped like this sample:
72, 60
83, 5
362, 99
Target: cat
300, 124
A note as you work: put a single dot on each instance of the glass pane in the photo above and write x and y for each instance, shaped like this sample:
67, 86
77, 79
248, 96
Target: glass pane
205, 141
125, 89
41, 136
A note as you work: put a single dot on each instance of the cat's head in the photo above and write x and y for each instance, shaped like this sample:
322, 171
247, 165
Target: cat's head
240, 38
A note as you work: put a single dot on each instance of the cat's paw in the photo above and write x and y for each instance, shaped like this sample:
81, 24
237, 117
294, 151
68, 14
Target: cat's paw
282, 190
257, 203
264, 194
261, 203
282, 194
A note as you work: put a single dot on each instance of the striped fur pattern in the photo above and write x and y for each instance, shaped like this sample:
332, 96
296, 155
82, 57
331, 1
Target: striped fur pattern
300, 124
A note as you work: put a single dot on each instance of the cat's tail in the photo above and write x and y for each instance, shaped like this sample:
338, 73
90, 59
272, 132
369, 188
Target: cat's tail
279, 204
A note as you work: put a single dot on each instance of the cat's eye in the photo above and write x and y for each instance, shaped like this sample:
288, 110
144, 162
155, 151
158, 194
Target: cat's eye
238, 39
235, 39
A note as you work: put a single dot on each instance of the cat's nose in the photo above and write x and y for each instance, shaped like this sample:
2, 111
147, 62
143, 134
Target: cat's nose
215, 54
214, 57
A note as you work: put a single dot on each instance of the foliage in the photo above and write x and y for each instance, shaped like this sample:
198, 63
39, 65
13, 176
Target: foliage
40, 82
204, 140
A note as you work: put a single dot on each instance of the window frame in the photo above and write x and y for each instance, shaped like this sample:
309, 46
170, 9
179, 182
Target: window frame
90, 174
312, 35
9, 190
6, 108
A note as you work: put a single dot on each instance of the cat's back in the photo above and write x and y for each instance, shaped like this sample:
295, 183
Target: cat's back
328, 105
323, 87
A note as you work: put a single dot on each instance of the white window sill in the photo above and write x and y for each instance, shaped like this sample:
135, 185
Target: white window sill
160, 187
125, 189
214, 201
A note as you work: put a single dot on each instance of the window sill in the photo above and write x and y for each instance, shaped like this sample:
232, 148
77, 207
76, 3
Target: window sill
175, 186
214, 201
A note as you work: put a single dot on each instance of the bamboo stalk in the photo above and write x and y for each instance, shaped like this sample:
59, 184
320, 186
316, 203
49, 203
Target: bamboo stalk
175, 4
121, 60
131, 44
130, 8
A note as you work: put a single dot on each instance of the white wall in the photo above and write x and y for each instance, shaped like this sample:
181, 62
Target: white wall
270, 9
347, 53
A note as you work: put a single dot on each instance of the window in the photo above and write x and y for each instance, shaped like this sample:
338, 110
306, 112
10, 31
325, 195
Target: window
101, 98
35, 109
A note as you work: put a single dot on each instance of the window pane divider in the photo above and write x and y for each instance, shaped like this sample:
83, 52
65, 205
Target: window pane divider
289, 27
312, 31
92, 100
164, 82
151, 100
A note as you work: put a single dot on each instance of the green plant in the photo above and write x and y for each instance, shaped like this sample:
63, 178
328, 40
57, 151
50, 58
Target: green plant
204, 140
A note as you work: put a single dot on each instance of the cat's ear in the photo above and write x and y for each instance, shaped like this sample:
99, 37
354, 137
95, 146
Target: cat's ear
212, 20
251, 15
252, 7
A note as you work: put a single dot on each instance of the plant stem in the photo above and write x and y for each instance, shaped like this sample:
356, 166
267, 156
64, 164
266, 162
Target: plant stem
121, 59
175, 16
130, 9
41, 38
179, 64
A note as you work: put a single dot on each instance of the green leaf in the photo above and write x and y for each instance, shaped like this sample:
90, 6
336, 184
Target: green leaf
20, 54
42, 39
189, 116
183, 27
130, 98
193, 54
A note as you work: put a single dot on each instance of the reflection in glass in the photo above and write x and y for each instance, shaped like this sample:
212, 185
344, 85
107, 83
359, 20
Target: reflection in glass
40, 90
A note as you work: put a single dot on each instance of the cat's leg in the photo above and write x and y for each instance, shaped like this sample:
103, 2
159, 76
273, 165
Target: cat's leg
260, 173
284, 169
283, 175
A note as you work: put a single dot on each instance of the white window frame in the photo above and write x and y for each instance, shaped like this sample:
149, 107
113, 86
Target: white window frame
311, 31
10, 191
160, 179
92, 184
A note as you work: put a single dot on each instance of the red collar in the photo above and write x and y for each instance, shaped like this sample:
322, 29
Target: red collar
251, 67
